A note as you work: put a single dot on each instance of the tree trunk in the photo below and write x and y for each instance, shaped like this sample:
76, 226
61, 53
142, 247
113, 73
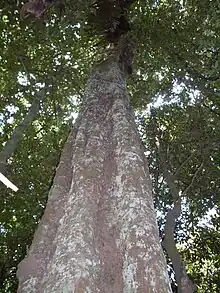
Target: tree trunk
12, 143
99, 232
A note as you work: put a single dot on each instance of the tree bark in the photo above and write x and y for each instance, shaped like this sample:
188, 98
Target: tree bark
12, 143
99, 232
185, 285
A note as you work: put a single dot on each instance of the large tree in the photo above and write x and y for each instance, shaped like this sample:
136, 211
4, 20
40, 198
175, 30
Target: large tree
45, 59
99, 231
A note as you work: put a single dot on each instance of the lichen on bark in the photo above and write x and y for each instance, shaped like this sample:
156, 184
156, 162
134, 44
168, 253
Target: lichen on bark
99, 232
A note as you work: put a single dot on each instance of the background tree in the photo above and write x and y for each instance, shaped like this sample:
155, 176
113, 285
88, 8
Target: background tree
176, 62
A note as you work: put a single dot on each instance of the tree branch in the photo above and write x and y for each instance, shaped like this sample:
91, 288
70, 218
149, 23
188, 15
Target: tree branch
185, 285
193, 180
12, 143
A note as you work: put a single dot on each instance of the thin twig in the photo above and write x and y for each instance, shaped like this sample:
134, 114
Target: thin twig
193, 179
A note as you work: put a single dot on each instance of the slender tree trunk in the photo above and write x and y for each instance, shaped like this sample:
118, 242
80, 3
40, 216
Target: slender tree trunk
185, 285
99, 232
12, 143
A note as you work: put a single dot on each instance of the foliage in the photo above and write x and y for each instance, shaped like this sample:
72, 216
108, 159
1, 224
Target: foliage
176, 65
202, 254
189, 138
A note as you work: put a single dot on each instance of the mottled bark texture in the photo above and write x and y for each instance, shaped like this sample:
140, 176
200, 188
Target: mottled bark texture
99, 232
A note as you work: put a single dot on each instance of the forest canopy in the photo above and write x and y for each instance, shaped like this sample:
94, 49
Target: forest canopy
46, 55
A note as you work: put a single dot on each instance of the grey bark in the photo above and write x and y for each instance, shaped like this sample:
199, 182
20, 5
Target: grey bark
12, 143
185, 285
99, 232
